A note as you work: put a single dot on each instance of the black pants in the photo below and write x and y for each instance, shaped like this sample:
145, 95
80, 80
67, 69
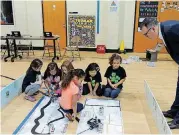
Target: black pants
79, 109
86, 90
175, 106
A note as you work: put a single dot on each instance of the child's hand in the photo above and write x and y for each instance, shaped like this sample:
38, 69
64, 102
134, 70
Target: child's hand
115, 86
79, 96
112, 85
94, 93
70, 117
32, 83
38, 82
48, 92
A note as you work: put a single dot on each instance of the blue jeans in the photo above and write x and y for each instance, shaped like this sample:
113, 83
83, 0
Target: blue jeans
113, 93
31, 89
79, 108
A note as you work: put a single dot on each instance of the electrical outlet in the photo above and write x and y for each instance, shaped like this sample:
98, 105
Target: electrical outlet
7, 94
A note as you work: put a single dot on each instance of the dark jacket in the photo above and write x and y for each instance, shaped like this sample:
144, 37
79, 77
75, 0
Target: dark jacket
170, 33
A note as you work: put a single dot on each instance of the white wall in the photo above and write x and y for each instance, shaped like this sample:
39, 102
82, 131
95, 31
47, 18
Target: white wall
128, 26
114, 26
27, 20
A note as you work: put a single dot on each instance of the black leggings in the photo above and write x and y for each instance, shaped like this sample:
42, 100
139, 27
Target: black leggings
86, 90
79, 109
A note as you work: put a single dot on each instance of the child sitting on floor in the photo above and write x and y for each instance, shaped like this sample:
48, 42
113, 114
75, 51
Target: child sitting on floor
32, 80
115, 75
93, 79
70, 90
52, 77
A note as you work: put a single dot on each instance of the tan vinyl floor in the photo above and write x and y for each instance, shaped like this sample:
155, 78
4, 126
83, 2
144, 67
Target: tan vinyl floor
137, 118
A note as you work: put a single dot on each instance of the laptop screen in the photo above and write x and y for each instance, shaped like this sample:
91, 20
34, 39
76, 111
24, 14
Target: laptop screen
48, 34
16, 33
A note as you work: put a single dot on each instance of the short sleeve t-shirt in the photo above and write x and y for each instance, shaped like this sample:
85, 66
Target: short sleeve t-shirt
67, 94
94, 80
115, 75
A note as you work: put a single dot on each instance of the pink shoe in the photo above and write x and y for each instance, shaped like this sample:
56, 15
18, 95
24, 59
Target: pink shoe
30, 98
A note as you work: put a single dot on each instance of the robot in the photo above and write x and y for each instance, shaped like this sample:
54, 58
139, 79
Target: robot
94, 123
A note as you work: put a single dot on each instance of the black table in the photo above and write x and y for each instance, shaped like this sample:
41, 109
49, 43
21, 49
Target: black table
54, 38
8, 47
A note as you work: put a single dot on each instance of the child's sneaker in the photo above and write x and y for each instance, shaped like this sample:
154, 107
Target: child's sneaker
30, 98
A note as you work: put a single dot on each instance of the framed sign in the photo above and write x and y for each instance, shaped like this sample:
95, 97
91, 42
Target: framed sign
7, 13
81, 30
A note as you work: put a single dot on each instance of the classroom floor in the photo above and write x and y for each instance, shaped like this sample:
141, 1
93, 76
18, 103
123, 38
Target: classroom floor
137, 118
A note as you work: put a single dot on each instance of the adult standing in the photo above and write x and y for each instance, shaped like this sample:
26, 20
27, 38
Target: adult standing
168, 32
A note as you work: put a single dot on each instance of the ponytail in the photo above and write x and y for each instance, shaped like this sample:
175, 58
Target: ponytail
71, 74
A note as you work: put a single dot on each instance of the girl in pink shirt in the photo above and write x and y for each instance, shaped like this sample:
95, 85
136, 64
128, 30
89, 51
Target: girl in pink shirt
70, 91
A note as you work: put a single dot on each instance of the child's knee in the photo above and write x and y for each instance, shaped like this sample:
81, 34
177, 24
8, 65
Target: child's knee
99, 93
115, 93
38, 86
107, 92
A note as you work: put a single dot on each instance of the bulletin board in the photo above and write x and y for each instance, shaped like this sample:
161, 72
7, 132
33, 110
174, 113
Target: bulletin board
81, 30
162, 10
147, 9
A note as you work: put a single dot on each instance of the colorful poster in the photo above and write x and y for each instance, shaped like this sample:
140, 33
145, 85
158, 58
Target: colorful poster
81, 30
6, 13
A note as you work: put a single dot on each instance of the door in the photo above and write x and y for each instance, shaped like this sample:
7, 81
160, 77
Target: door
142, 43
54, 14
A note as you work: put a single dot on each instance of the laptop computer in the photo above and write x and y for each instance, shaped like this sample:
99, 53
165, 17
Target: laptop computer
48, 34
16, 33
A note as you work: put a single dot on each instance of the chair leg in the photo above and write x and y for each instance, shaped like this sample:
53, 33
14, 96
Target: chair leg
59, 51
64, 54
43, 53
79, 54
32, 49
4, 54
20, 50
72, 53
28, 51
48, 52
78, 51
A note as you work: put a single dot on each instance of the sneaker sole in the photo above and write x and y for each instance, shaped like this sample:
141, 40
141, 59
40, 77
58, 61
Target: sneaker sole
29, 99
